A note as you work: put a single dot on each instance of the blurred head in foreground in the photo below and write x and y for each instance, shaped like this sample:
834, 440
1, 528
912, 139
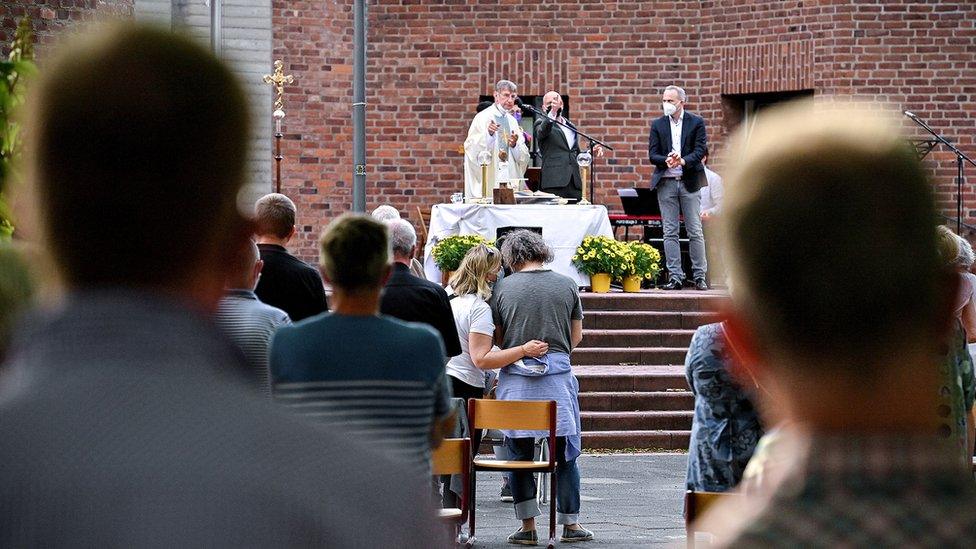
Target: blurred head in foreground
136, 154
841, 300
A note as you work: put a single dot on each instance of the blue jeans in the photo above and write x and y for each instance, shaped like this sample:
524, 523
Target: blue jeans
523, 485
675, 200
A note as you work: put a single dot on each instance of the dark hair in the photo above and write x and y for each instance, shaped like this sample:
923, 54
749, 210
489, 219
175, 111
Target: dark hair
275, 215
354, 249
138, 144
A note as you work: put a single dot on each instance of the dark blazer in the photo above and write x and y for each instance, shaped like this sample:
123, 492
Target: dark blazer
290, 284
415, 299
559, 167
694, 142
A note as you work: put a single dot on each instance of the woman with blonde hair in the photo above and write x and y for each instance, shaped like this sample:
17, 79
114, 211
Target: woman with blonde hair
469, 291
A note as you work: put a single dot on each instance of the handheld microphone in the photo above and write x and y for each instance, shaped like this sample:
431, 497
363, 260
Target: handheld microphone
909, 114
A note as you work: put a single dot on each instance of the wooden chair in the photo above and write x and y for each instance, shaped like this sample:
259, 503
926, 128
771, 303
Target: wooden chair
696, 503
529, 415
453, 457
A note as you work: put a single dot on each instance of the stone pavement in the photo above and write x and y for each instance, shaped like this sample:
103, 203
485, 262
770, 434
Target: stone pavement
629, 500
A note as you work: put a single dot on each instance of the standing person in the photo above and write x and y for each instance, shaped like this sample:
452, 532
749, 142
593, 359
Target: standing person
495, 130
535, 302
120, 421
380, 379
287, 282
677, 144
712, 193
844, 320
559, 147
249, 323
725, 428
412, 298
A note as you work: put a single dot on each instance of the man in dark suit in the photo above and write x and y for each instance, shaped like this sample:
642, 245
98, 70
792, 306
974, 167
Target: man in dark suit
121, 421
559, 147
677, 145
286, 282
412, 298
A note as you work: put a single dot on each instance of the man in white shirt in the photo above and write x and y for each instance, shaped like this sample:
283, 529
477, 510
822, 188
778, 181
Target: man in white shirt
495, 130
711, 194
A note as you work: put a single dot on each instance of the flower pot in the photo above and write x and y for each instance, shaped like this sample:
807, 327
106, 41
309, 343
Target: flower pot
600, 283
632, 283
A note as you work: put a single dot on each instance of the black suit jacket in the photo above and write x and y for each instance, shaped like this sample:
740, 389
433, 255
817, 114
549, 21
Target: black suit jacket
694, 142
290, 284
415, 299
559, 167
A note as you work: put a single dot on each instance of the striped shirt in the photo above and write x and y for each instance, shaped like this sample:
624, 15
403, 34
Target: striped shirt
379, 378
250, 324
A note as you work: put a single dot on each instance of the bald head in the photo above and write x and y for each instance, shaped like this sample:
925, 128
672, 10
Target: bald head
552, 100
246, 268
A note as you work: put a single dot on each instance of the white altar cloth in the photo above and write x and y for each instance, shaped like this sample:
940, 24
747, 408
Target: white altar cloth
563, 227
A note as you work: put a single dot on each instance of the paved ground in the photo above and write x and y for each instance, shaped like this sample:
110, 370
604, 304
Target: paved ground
629, 500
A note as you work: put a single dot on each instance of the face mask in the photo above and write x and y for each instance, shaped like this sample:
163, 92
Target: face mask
669, 109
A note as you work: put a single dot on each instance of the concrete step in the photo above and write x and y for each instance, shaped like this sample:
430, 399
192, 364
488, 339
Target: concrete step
654, 300
646, 320
637, 338
630, 378
636, 421
618, 440
631, 355
634, 401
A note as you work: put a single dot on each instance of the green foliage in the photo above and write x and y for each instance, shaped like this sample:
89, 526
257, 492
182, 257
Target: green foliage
449, 252
646, 262
602, 254
13, 72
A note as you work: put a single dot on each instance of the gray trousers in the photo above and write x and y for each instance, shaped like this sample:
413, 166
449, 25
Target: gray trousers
675, 200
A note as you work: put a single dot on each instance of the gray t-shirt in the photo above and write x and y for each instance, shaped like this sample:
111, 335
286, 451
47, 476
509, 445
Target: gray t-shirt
536, 305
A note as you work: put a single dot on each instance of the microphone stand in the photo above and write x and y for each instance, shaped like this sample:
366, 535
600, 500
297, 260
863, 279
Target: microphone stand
591, 140
960, 156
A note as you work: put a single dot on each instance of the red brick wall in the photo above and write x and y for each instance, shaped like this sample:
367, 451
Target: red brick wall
51, 17
429, 60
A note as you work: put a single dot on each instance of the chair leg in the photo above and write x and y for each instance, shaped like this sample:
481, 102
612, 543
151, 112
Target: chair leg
552, 509
471, 508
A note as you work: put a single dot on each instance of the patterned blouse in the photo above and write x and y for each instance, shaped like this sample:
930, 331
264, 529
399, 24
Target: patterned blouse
725, 428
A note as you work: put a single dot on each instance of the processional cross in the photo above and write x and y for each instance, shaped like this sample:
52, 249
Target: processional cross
278, 79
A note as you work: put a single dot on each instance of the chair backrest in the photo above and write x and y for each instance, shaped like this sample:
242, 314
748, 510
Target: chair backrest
696, 503
530, 415
452, 457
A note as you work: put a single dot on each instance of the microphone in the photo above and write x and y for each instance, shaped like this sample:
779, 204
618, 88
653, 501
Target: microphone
909, 114
518, 101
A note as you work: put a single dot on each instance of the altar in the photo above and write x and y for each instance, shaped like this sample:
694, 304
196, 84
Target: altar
563, 228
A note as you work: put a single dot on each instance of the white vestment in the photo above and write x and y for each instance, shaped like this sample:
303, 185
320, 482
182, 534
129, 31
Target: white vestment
478, 140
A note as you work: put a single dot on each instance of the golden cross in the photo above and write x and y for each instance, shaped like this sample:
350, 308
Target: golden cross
278, 80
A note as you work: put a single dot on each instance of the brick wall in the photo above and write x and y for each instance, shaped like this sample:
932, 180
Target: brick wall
428, 62
51, 17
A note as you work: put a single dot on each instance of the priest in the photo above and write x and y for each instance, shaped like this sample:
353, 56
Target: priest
495, 130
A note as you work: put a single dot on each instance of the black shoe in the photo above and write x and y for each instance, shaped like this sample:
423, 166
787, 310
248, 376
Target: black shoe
700, 284
673, 284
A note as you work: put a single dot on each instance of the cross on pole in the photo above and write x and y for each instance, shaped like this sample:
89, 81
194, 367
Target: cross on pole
278, 79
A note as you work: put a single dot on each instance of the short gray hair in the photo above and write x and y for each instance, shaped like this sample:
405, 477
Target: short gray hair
681, 93
966, 256
523, 246
506, 85
403, 237
385, 213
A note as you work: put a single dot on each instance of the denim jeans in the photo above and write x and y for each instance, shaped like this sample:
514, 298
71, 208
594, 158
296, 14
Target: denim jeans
675, 200
523, 485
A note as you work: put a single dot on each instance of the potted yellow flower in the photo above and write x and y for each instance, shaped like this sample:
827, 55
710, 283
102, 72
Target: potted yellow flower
602, 258
644, 262
449, 252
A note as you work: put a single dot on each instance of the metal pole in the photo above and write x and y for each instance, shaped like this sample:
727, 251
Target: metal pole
215, 26
359, 108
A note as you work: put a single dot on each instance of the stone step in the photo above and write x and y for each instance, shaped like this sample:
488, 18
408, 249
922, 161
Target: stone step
637, 338
654, 300
646, 320
636, 421
633, 401
638, 377
629, 355
654, 440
